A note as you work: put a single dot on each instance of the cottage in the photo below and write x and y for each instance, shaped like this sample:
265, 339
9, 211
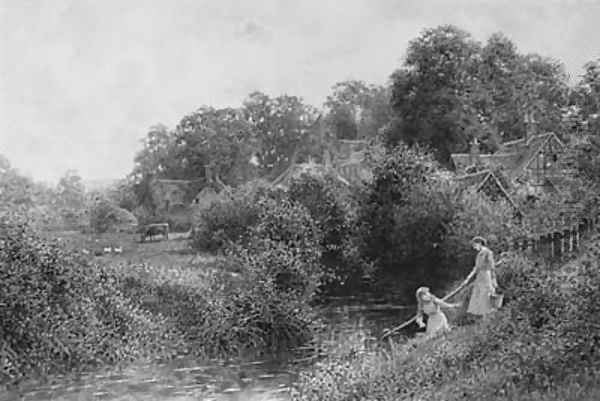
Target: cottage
536, 160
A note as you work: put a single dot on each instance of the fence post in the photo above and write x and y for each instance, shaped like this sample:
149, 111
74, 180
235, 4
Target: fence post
567, 240
575, 238
544, 246
555, 238
529, 245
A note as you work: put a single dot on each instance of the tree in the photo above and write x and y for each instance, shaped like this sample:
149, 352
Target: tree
588, 96
71, 191
430, 94
16, 190
280, 126
70, 197
587, 109
218, 138
452, 90
154, 160
357, 110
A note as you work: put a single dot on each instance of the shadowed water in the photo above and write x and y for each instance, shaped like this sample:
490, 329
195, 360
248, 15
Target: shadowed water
187, 379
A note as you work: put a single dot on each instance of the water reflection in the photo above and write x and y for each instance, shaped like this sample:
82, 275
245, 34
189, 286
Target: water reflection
186, 379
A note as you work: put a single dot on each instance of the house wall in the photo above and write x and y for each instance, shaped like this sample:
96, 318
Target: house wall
545, 163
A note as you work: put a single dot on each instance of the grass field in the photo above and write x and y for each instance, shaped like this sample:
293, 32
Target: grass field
174, 252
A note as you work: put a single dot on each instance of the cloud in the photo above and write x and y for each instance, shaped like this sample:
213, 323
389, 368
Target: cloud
81, 81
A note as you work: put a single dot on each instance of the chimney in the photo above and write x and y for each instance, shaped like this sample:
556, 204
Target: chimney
474, 152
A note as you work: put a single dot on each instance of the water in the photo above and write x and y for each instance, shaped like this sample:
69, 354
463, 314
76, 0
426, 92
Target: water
186, 379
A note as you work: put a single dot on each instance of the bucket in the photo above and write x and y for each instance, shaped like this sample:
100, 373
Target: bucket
497, 300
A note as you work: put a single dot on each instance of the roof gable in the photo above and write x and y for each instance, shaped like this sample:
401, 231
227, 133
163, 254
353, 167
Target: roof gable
533, 148
482, 180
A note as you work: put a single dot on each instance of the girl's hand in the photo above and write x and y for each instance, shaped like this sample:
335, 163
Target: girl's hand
457, 305
420, 322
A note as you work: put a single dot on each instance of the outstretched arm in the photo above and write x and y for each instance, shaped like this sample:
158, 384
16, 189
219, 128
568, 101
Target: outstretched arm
443, 303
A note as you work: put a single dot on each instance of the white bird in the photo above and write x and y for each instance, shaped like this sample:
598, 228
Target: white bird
85, 251
107, 250
118, 249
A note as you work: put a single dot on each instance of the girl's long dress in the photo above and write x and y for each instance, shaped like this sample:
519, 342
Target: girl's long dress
436, 319
480, 302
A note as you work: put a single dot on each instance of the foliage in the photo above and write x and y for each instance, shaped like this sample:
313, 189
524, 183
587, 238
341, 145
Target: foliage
218, 138
287, 241
356, 110
402, 214
452, 89
224, 222
537, 345
322, 198
59, 313
429, 95
280, 126
106, 216
475, 214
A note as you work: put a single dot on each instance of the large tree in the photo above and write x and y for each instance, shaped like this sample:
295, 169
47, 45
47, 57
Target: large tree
357, 110
430, 94
211, 138
281, 126
451, 90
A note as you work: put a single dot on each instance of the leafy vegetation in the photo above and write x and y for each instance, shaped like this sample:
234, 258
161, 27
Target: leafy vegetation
58, 312
539, 346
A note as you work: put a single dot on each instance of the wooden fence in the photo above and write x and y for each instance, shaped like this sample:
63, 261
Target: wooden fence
559, 242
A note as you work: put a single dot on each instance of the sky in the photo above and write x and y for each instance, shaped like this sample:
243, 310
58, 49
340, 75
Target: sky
81, 81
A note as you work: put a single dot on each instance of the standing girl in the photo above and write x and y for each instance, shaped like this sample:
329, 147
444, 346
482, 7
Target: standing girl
484, 286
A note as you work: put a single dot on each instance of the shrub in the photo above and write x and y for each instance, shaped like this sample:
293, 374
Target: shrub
323, 197
402, 215
59, 313
287, 242
225, 222
105, 216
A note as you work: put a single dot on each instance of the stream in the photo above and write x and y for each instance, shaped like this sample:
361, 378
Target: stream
187, 379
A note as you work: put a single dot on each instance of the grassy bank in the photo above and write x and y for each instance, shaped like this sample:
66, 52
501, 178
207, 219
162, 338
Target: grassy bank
543, 345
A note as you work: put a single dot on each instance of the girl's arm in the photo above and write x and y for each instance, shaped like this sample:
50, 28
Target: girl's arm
471, 275
443, 303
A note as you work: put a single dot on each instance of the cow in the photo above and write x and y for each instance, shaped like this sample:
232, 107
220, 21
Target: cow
151, 230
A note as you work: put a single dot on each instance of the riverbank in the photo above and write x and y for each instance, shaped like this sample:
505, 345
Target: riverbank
543, 345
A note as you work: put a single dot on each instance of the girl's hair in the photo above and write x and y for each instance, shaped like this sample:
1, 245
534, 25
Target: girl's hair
479, 240
420, 291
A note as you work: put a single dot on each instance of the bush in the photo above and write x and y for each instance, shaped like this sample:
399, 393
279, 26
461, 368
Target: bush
324, 197
105, 216
287, 242
225, 222
60, 313
402, 215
